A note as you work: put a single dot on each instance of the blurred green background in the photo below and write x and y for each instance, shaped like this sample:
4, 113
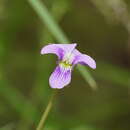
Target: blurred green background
102, 30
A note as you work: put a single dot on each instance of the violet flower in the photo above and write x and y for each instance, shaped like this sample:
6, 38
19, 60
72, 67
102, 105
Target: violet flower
68, 57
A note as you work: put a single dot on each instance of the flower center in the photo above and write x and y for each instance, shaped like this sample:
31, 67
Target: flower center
67, 61
65, 64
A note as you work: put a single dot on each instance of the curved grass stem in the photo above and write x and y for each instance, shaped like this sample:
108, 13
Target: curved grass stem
60, 36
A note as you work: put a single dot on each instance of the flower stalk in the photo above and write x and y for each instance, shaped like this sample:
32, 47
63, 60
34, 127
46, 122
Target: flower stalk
46, 112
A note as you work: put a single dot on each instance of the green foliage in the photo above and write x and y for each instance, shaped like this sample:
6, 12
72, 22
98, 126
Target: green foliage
24, 73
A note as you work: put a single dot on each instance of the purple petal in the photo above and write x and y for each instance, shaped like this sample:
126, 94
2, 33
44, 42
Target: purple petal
59, 49
83, 59
54, 49
68, 48
60, 77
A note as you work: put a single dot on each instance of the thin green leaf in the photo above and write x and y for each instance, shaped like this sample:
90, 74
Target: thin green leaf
57, 32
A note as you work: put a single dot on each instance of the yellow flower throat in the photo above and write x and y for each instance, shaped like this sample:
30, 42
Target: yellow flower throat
65, 64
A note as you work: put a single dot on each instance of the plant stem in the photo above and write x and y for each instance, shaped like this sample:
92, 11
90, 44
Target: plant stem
87, 78
46, 112
46, 17
57, 32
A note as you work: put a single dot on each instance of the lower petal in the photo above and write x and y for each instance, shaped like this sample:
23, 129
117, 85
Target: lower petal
60, 77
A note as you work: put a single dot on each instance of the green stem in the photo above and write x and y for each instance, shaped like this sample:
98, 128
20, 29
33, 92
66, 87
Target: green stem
57, 32
87, 78
46, 112
46, 17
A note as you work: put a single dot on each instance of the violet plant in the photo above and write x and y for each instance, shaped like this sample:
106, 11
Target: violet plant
68, 57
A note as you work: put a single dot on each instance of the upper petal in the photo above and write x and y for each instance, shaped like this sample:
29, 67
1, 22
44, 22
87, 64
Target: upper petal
68, 48
59, 49
60, 77
83, 59
54, 49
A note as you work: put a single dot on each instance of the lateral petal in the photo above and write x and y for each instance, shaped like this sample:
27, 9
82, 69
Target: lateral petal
83, 59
